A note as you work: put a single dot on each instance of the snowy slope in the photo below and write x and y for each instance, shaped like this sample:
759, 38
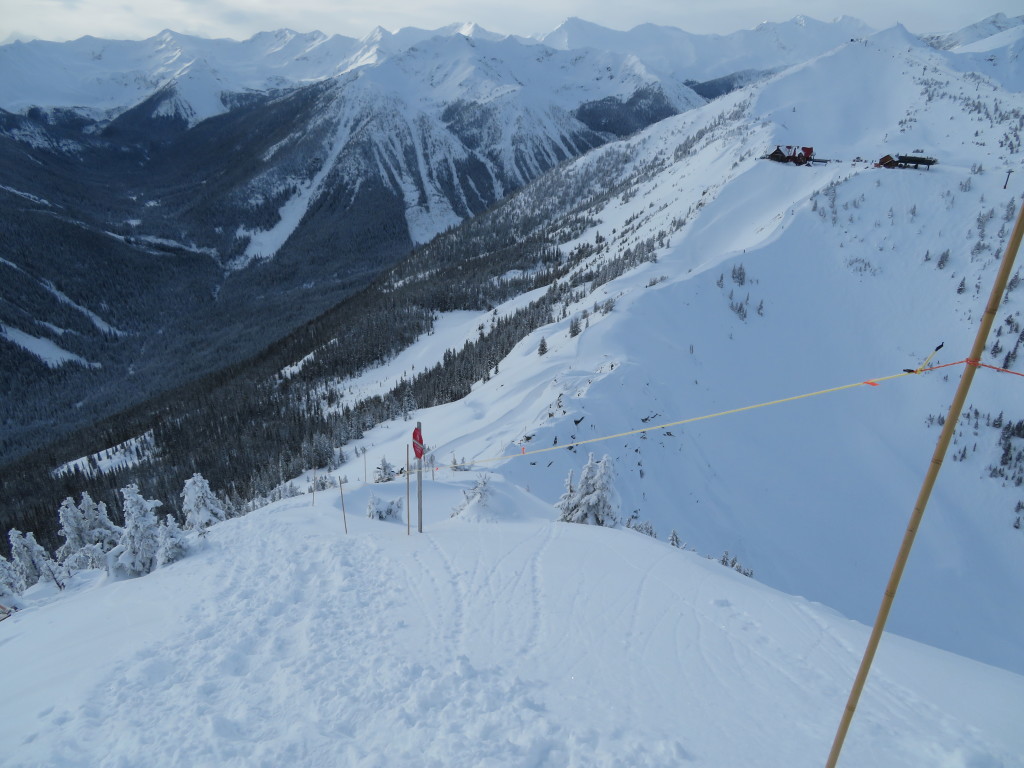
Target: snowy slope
999, 57
496, 638
843, 262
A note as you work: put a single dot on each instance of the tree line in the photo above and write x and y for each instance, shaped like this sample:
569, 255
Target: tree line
251, 426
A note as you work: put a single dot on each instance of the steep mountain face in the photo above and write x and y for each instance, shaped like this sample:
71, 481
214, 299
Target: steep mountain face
225, 190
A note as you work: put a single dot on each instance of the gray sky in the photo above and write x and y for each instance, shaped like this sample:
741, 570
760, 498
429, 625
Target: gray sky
240, 19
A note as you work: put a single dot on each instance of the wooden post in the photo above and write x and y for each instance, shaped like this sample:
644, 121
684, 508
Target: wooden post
419, 481
313, 502
419, 493
952, 420
408, 501
344, 518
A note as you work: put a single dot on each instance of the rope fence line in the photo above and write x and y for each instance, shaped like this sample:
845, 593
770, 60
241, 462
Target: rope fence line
874, 382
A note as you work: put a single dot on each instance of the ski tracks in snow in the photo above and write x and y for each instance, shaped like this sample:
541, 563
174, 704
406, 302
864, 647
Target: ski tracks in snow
299, 648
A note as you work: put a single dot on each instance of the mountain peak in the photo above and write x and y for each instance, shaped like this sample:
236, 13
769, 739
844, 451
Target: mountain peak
898, 34
973, 33
376, 35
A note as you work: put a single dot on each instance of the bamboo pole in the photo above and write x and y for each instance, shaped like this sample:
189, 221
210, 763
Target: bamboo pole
952, 419
408, 494
344, 518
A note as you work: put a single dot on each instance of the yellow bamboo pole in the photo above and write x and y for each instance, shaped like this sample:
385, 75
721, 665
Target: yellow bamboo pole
952, 418
344, 517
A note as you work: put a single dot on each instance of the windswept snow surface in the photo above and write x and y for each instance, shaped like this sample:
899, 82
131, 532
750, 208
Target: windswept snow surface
499, 638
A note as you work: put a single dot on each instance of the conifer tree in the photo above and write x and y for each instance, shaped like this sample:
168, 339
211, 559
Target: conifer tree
136, 553
73, 529
88, 533
566, 502
10, 585
170, 542
384, 471
593, 501
378, 509
200, 505
30, 561
10, 581
475, 496
103, 534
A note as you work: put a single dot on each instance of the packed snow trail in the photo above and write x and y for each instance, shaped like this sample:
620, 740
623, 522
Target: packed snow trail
498, 638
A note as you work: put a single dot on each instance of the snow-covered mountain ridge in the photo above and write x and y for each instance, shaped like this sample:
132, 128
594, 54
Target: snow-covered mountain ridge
107, 77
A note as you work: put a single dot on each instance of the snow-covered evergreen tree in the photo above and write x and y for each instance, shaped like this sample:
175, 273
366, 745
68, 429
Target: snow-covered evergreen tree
593, 501
673, 539
136, 553
646, 528
201, 506
474, 497
102, 534
10, 585
10, 582
30, 561
88, 534
565, 501
170, 542
378, 509
73, 529
384, 471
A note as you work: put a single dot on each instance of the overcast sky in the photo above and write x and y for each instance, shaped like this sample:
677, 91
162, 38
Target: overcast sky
240, 19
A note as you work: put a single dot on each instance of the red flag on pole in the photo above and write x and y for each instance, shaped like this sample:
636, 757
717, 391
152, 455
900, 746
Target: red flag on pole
417, 442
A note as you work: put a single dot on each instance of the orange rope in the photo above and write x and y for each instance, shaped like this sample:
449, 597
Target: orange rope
978, 364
